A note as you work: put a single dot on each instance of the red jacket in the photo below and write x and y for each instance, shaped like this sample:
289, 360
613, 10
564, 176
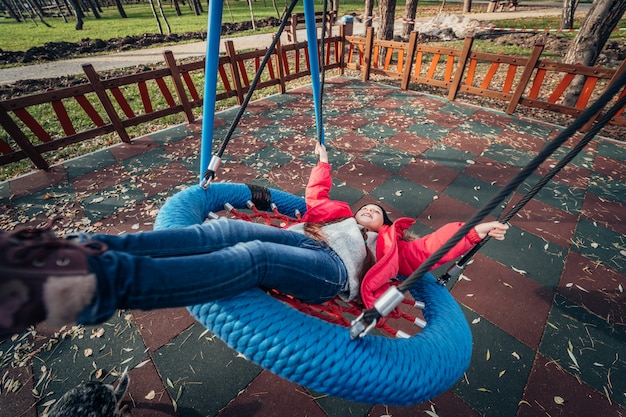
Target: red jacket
395, 256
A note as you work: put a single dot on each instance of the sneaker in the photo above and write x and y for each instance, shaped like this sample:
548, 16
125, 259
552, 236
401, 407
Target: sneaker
29, 258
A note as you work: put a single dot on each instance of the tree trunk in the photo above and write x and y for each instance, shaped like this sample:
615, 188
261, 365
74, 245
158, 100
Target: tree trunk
369, 14
387, 13
409, 17
167, 24
595, 30
467, 6
9, 9
567, 17
177, 8
120, 9
78, 13
156, 16
251, 15
94, 9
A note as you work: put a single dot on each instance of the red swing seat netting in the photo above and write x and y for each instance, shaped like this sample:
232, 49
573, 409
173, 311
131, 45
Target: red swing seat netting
405, 321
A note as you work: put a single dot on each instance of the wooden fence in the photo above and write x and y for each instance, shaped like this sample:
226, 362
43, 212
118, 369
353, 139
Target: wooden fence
43, 122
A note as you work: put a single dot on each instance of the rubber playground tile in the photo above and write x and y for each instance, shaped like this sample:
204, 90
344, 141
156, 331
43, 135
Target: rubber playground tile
107, 201
87, 353
362, 174
550, 223
555, 194
529, 255
443, 210
387, 157
429, 174
428, 130
352, 142
472, 191
450, 157
338, 407
87, 163
295, 145
570, 175
258, 400
611, 149
147, 161
582, 344
608, 188
466, 141
445, 120
508, 155
300, 121
165, 178
583, 159
171, 135
534, 128
342, 104
388, 103
243, 145
595, 287
409, 143
270, 134
376, 131
351, 123
446, 404
601, 245
44, 201
502, 296
480, 129
397, 121
101, 178
492, 172
18, 379
426, 101
267, 159
345, 192
494, 383
521, 141
146, 395
458, 109
606, 213
158, 327
552, 391
292, 176
32, 183
210, 377
492, 118
404, 195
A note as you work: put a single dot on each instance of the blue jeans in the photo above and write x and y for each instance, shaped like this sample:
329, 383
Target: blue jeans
201, 263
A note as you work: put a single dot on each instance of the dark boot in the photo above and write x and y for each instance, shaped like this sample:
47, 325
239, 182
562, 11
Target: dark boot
43, 276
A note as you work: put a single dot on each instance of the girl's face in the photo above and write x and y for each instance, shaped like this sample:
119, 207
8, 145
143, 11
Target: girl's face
370, 216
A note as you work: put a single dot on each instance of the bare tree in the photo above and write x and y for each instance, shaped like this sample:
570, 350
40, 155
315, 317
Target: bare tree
167, 24
567, 16
595, 30
369, 14
410, 10
251, 15
120, 9
387, 9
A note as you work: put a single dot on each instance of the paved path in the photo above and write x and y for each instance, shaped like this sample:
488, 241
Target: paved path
187, 50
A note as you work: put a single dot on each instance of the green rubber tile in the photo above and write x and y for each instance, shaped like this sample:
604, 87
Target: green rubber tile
147, 161
388, 158
88, 353
608, 188
87, 163
428, 130
109, 200
458, 110
173, 134
601, 245
51, 199
406, 196
344, 191
211, 375
583, 159
362, 174
371, 113
273, 133
191, 162
376, 131
612, 150
267, 159
586, 346
529, 128
472, 191
555, 194
5, 192
529, 255
414, 111
449, 157
508, 155
494, 383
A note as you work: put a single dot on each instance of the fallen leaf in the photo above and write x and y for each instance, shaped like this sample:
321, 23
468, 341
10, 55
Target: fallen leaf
559, 400
150, 395
88, 352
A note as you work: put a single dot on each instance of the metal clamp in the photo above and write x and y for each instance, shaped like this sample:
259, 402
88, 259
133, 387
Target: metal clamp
214, 164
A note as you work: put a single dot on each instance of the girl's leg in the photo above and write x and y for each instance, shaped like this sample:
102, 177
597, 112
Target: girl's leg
202, 238
309, 271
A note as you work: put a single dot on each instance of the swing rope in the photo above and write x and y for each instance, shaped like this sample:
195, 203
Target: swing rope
214, 164
394, 295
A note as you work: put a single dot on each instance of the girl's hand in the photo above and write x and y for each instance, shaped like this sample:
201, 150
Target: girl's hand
321, 151
494, 229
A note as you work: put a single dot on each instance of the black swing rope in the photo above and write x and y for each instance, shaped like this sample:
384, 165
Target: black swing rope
209, 174
394, 296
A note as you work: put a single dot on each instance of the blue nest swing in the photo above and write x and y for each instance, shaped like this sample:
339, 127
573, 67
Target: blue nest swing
305, 349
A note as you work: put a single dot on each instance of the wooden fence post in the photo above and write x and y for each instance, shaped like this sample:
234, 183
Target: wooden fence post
342, 49
460, 69
20, 138
178, 85
410, 58
281, 69
98, 88
531, 63
234, 69
369, 51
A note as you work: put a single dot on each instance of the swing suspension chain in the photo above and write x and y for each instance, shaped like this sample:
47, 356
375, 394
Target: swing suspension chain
394, 295
322, 60
209, 174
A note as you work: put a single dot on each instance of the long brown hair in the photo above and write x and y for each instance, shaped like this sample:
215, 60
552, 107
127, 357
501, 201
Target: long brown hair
314, 230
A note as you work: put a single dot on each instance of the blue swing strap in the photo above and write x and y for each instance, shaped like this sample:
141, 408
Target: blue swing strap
318, 354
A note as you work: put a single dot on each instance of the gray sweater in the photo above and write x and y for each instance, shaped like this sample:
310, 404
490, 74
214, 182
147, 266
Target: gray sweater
346, 240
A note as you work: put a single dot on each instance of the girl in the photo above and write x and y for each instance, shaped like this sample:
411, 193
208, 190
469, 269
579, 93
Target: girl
333, 252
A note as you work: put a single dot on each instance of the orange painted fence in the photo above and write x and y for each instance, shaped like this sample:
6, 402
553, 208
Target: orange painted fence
114, 105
